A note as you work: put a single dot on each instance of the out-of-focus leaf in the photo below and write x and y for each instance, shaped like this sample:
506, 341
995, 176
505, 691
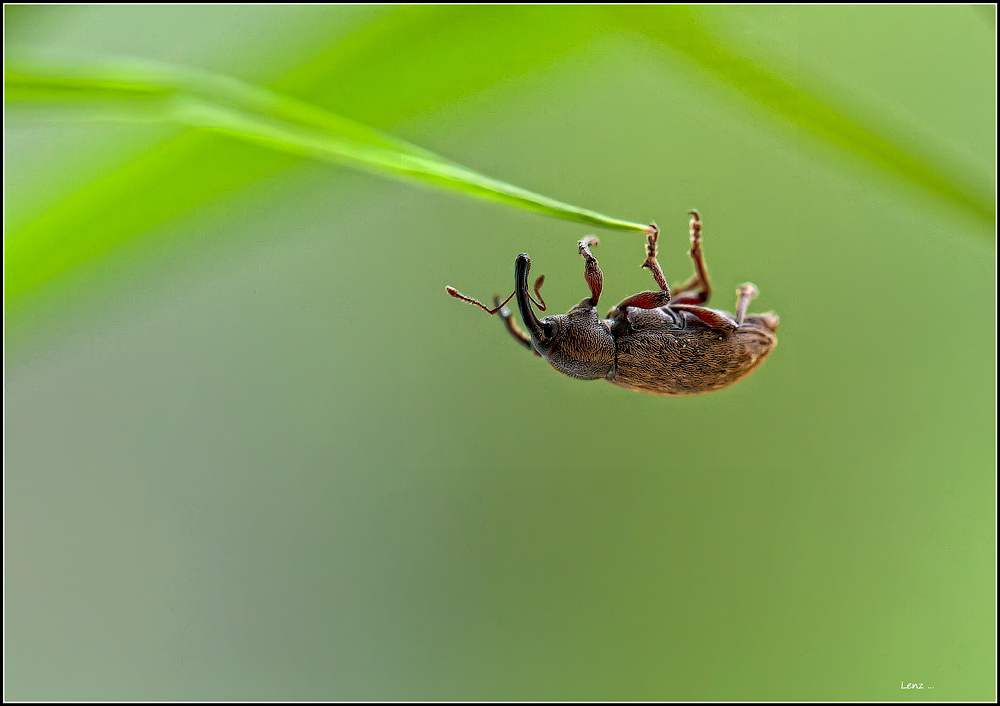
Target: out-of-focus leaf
479, 46
161, 92
202, 100
678, 28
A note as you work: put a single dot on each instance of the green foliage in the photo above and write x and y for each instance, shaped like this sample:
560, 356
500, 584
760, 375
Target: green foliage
229, 107
359, 77
816, 112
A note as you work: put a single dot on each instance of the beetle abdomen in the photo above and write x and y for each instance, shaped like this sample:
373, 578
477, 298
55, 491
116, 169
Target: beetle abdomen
659, 356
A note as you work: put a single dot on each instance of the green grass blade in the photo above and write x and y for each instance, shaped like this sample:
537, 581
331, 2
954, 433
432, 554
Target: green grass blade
59, 84
450, 52
224, 105
323, 145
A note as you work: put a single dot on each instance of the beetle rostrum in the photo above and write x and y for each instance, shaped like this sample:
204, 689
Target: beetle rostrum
653, 341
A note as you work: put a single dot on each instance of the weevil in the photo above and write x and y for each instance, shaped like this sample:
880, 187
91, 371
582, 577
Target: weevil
653, 341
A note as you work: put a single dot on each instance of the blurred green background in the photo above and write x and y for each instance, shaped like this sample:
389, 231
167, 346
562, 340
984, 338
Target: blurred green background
254, 451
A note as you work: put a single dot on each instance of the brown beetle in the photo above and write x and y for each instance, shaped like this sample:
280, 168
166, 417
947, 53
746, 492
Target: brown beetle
652, 341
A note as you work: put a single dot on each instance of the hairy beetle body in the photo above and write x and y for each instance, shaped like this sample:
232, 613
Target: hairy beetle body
675, 353
651, 342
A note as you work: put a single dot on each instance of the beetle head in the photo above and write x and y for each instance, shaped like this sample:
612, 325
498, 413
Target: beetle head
576, 343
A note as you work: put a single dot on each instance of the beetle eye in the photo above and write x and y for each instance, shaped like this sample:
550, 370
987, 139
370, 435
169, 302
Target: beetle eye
550, 328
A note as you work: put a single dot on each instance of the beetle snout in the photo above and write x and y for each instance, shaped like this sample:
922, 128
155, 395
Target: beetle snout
522, 264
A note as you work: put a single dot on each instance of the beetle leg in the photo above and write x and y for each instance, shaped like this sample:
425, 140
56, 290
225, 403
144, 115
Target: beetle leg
744, 295
519, 335
648, 299
652, 265
591, 270
711, 317
698, 289
642, 300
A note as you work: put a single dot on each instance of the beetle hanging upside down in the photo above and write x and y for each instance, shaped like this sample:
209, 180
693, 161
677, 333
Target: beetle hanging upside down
652, 341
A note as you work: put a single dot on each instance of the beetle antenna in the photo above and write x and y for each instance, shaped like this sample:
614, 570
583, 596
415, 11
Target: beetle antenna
538, 285
458, 295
